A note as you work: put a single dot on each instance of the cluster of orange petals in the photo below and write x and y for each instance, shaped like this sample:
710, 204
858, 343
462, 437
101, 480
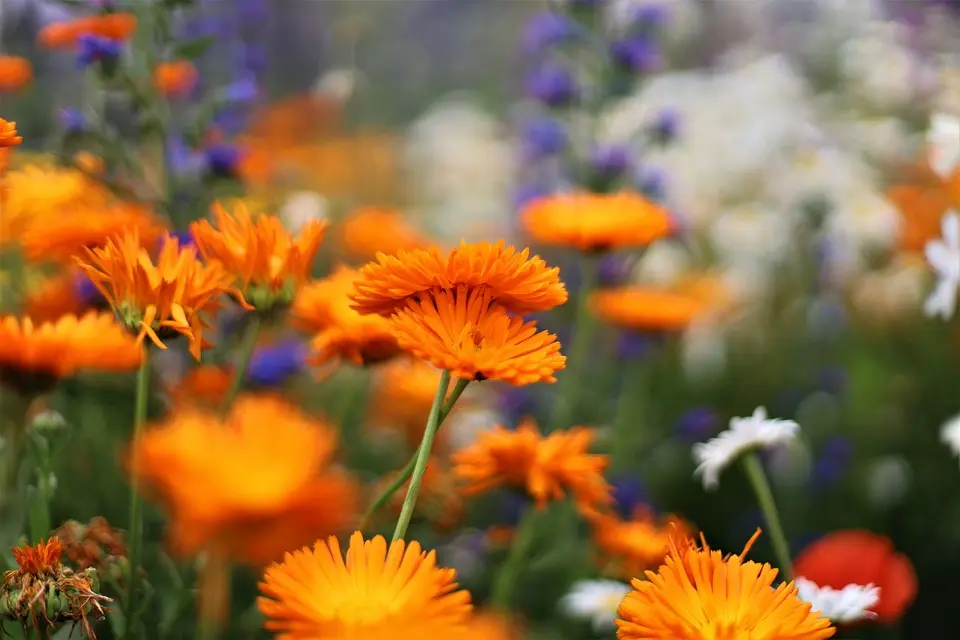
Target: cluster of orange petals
39, 560
176, 78
547, 468
697, 593
593, 222
922, 198
8, 134
54, 296
15, 73
251, 485
641, 309
205, 385
115, 26
628, 547
379, 590
324, 308
368, 231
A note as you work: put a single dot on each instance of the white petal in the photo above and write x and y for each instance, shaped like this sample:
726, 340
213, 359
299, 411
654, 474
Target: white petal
951, 230
942, 301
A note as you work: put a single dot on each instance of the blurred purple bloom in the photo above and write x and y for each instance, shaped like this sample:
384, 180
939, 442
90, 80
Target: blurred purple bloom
628, 494
527, 193
87, 292
546, 30
274, 364
252, 58
611, 161
96, 49
183, 160
515, 403
243, 90
185, 238
72, 120
513, 507
697, 425
222, 159
553, 85
636, 54
614, 270
652, 183
542, 137
831, 462
649, 17
665, 126
633, 345
252, 12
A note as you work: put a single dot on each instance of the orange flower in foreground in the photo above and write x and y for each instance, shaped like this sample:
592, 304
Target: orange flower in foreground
161, 299
176, 78
204, 385
42, 559
323, 307
463, 332
15, 73
517, 282
640, 309
380, 591
594, 222
699, 594
548, 468
404, 396
630, 547
115, 26
8, 134
34, 356
371, 230
268, 263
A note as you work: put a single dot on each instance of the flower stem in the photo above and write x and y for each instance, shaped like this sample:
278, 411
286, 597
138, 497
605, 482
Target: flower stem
630, 424
135, 528
758, 480
519, 549
247, 346
214, 596
423, 454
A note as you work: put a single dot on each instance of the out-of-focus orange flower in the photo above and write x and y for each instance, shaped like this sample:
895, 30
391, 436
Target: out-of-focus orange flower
8, 134
923, 197
516, 281
323, 307
54, 297
295, 119
256, 167
115, 26
698, 593
464, 332
368, 231
547, 468
439, 501
488, 625
204, 385
176, 78
641, 309
630, 547
592, 222
380, 591
861, 557
34, 356
15, 73
264, 469
404, 396
161, 299
268, 264
96, 544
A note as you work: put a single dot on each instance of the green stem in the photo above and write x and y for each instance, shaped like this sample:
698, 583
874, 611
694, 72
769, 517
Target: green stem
135, 528
247, 347
423, 454
520, 547
758, 480
571, 380
629, 422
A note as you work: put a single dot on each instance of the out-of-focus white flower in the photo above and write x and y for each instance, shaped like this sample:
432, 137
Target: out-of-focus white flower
888, 481
743, 436
464, 425
883, 141
595, 600
663, 264
943, 138
950, 434
879, 67
752, 233
864, 221
339, 84
302, 207
704, 351
944, 258
842, 606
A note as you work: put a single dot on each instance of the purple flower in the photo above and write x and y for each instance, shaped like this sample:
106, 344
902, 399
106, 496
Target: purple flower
628, 494
542, 137
697, 424
636, 54
546, 30
183, 160
222, 160
652, 183
185, 237
72, 120
553, 85
527, 193
611, 161
252, 58
665, 127
273, 365
94, 48
87, 292
650, 17
614, 269
515, 403
242, 91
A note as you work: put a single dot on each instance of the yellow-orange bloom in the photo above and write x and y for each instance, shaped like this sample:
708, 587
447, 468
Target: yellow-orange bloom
34, 356
161, 299
8, 134
517, 282
464, 332
628, 547
205, 385
547, 468
269, 264
380, 591
641, 309
368, 231
592, 222
15, 73
176, 78
698, 594
114, 26
323, 307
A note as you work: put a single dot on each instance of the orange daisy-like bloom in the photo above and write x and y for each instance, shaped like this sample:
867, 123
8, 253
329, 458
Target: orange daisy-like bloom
205, 385
161, 299
547, 468
114, 26
39, 560
34, 356
15, 73
54, 297
323, 307
465, 333
176, 78
379, 591
269, 264
641, 309
698, 594
8, 134
593, 222
371, 230
265, 473
517, 282
404, 396
630, 547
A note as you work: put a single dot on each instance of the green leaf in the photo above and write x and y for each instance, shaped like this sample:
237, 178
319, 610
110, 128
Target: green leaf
193, 49
39, 515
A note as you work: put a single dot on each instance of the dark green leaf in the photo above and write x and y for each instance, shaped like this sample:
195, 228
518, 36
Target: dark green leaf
193, 49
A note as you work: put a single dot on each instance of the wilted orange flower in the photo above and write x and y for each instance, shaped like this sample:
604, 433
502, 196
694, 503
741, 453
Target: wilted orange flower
593, 222
176, 78
41, 559
641, 309
323, 307
699, 594
439, 500
8, 134
96, 544
630, 547
380, 591
34, 356
268, 263
264, 470
157, 300
115, 26
368, 231
517, 282
404, 396
464, 332
547, 468
15, 73
205, 385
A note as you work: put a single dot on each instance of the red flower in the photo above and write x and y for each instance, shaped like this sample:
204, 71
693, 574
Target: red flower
861, 557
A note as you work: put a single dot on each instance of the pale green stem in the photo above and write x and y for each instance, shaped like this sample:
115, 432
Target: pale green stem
761, 487
247, 347
506, 578
135, 528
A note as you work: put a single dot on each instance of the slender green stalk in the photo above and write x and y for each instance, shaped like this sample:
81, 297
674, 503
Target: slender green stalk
758, 480
629, 422
135, 528
506, 578
247, 346
423, 454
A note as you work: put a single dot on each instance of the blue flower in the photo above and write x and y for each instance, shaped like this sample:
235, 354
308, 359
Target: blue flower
652, 183
650, 17
697, 424
242, 91
665, 126
611, 161
553, 85
628, 494
273, 365
614, 270
87, 292
542, 137
515, 403
546, 30
94, 48
222, 160
72, 120
636, 54
183, 160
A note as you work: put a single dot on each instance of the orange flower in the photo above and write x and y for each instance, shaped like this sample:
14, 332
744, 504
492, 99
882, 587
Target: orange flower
635, 545
324, 307
922, 200
404, 396
641, 309
115, 26
699, 594
176, 78
463, 332
205, 385
592, 222
392, 591
33, 357
15, 73
368, 231
491, 626
54, 297
162, 299
439, 501
517, 282
40, 560
548, 468
8, 134
269, 264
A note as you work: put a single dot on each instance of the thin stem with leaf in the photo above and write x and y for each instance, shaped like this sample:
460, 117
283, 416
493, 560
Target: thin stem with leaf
247, 346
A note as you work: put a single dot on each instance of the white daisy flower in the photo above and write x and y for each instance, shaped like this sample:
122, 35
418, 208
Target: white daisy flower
943, 138
950, 434
841, 606
744, 435
596, 600
944, 258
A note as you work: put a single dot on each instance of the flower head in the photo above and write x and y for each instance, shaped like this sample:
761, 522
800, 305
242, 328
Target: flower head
368, 231
15, 73
642, 309
943, 139
101, 49
950, 434
743, 436
595, 600
379, 591
41, 560
850, 604
944, 258
630, 546
204, 385
8, 134
697, 594
113, 26
553, 85
175, 79
272, 364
